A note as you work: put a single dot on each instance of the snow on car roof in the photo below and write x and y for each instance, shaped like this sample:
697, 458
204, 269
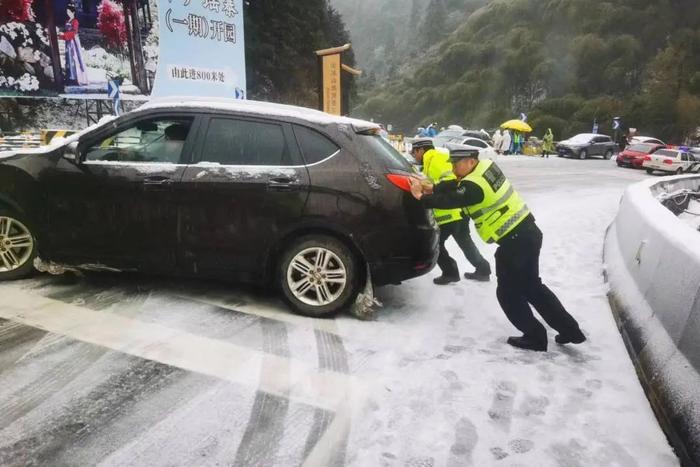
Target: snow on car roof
257, 107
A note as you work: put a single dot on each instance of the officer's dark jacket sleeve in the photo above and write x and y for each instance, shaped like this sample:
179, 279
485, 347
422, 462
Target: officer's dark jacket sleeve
450, 195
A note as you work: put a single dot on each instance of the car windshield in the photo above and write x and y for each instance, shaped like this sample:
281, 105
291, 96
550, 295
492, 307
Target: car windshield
580, 139
645, 148
386, 152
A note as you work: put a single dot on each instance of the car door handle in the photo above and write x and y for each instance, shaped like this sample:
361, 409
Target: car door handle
282, 184
157, 182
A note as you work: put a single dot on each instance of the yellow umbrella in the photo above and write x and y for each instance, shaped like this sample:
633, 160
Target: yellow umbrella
517, 125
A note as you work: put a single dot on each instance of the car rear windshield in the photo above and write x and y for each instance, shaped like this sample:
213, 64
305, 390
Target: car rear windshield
391, 158
666, 152
645, 148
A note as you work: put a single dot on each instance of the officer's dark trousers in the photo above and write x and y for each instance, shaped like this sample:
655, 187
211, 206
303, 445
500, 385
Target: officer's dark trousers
519, 286
459, 230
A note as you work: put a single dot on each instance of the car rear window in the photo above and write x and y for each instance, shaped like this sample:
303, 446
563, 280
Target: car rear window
645, 148
314, 146
377, 145
666, 152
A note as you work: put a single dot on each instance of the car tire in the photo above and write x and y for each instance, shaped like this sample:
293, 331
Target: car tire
322, 292
679, 171
608, 155
650, 171
17, 246
583, 154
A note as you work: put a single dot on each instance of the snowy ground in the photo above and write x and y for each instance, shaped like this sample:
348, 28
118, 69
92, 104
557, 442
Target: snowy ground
122, 370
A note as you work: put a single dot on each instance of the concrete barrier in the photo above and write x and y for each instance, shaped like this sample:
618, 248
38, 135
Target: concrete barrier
652, 262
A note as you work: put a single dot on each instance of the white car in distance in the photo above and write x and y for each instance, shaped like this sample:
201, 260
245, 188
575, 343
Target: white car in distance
671, 161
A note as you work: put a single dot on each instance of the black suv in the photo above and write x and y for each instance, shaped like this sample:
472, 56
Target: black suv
587, 144
256, 192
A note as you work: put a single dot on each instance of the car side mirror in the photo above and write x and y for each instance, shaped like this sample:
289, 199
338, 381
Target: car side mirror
71, 152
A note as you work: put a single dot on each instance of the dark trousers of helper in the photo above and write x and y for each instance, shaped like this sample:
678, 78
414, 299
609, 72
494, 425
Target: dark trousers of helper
459, 230
520, 285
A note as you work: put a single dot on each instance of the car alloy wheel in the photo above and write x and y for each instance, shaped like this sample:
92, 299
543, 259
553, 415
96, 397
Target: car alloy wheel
608, 154
316, 276
16, 244
583, 154
679, 171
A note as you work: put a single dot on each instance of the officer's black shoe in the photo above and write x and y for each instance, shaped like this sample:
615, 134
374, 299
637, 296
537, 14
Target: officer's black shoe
575, 338
477, 276
444, 280
527, 343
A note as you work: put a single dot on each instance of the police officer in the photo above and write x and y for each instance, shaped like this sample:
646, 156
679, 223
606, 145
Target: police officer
438, 168
501, 216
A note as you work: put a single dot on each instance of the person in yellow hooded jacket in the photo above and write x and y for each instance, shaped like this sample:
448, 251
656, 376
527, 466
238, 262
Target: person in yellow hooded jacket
501, 216
438, 169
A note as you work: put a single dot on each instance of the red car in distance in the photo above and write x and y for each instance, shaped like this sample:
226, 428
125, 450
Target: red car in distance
633, 156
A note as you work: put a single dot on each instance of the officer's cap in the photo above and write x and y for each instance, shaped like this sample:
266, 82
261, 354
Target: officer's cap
422, 143
460, 151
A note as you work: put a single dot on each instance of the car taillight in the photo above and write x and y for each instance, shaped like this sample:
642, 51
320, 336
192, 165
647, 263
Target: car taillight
401, 181
668, 161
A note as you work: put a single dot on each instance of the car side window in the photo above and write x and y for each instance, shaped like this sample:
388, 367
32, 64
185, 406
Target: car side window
160, 139
244, 142
684, 157
314, 146
599, 139
475, 142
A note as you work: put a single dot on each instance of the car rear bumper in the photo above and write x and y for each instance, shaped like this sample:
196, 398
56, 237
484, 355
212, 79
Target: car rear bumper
419, 259
659, 167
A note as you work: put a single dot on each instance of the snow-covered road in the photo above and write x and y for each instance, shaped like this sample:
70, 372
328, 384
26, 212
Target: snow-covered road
120, 370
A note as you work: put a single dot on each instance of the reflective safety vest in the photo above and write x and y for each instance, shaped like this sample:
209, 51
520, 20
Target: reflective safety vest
438, 168
502, 208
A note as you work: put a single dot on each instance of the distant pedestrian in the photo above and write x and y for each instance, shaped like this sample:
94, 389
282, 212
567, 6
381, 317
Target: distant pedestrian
432, 130
505, 142
496, 140
515, 145
548, 143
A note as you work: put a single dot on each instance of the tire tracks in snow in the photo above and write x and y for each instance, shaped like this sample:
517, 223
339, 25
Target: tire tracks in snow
331, 356
265, 427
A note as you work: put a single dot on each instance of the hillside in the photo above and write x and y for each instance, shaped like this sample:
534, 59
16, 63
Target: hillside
280, 39
387, 34
563, 62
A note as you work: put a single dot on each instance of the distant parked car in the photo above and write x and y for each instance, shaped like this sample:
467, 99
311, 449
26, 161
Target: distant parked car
455, 133
587, 145
486, 151
644, 139
634, 155
675, 161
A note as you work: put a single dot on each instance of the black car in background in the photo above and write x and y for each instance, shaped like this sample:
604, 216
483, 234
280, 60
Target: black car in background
587, 145
255, 192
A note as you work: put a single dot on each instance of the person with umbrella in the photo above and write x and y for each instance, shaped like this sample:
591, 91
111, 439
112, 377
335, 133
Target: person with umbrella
518, 127
501, 216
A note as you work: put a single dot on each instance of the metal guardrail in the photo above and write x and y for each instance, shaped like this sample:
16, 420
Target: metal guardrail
30, 140
12, 141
